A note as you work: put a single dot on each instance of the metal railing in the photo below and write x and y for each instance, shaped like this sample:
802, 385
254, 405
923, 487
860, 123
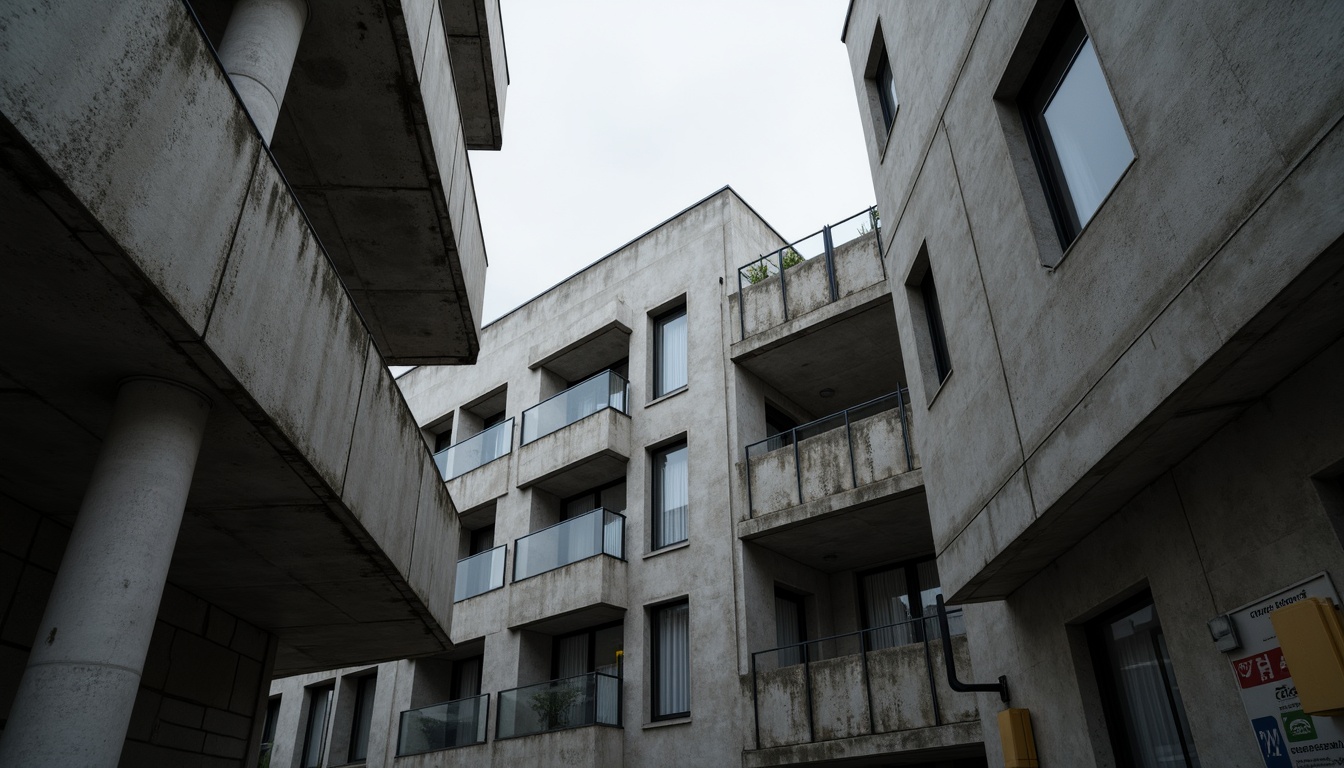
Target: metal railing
479, 574
844, 419
573, 702
920, 630
443, 726
607, 389
599, 532
822, 243
476, 451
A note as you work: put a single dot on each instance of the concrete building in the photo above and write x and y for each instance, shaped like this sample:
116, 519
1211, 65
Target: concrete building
208, 476
694, 527
1113, 235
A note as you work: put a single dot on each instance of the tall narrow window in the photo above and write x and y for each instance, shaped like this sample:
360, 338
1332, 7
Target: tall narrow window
268, 730
899, 605
886, 91
1142, 702
933, 313
790, 626
466, 680
669, 352
359, 728
1076, 135
671, 661
315, 734
671, 489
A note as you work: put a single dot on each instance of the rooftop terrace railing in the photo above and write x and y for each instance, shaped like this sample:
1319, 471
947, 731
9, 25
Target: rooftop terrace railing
572, 702
918, 632
845, 420
450, 724
823, 243
607, 389
599, 532
476, 451
479, 574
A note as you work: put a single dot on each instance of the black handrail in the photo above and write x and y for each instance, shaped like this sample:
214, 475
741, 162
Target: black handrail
899, 395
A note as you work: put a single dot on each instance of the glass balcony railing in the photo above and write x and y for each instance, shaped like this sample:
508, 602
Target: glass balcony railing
443, 726
607, 389
591, 699
600, 532
479, 574
476, 451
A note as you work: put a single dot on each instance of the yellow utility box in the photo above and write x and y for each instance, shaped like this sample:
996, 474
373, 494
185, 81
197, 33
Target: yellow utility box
1019, 746
1312, 640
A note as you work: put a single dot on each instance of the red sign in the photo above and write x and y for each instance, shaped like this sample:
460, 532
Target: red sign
1261, 668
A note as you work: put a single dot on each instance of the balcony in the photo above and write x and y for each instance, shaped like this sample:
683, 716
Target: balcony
844, 483
480, 573
872, 692
448, 725
573, 702
591, 589
577, 439
471, 468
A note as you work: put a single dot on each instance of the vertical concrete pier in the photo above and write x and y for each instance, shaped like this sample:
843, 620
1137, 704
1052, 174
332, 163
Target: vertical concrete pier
74, 703
258, 53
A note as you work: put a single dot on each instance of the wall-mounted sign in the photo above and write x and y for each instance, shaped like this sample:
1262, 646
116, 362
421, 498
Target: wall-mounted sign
1288, 737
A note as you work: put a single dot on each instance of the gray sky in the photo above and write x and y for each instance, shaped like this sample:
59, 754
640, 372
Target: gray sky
620, 113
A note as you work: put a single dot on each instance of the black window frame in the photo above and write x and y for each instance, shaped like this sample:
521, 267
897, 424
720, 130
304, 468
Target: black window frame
457, 677
881, 77
329, 691
800, 604
591, 632
656, 510
933, 315
655, 619
658, 323
1112, 708
366, 687
913, 589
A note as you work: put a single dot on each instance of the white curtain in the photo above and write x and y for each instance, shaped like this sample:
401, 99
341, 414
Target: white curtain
886, 601
669, 525
1135, 645
671, 341
788, 618
673, 661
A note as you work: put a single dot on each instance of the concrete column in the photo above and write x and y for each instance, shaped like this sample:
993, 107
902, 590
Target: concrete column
258, 53
74, 702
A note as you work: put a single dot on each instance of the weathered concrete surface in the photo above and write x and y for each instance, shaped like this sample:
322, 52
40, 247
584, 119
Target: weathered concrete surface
472, 490
480, 68
258, 53
587, 453
594, 746
586, 593
915, 747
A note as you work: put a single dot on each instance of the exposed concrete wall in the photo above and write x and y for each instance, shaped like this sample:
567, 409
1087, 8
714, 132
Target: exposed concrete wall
1239, 518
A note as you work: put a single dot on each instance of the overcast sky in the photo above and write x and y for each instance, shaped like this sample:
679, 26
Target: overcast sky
620, 113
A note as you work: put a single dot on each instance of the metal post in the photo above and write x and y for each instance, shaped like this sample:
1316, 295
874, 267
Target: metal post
905, 429
830, 261
807, 679
928, 666
797, 465
751, 512
867, 681
849, 441
1000, 687
877, 233
783, 289
755, 710
741, 299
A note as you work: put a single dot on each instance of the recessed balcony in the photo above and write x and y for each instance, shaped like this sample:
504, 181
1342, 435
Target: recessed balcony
843, 485
573, 702
476, 470
447, 725
868, 693
480, 573
577, 439
570, 575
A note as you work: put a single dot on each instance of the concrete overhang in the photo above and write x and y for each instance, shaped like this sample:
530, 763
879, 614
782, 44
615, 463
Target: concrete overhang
370, 137
313, 482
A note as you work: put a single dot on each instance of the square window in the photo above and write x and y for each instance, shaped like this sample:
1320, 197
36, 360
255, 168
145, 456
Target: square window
671, 491
1142, 702
669, 352
1074, 127
671, 656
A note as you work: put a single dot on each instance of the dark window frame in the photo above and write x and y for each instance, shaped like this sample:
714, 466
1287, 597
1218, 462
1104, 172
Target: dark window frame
363, 709
658, 323
933, 315
595, 493
881, 78
913, 589
655, 619
456, 677
591, 632
329, 691
656, 511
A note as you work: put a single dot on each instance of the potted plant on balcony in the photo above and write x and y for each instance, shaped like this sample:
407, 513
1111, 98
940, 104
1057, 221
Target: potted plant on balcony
552, 706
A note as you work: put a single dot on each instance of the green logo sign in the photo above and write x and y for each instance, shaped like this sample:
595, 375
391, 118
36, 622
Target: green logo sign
1298, 725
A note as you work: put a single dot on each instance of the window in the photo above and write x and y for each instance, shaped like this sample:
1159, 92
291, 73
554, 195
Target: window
1142, 702
933, 315
790, 626
481, 540
359, 728
671, 661
590, 650
315, 734
669, 352
466, 680
886, 91
268, 730
899, 603
1076, 135
610, 496
670, 491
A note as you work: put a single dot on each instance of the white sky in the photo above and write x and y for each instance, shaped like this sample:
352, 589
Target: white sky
620, 113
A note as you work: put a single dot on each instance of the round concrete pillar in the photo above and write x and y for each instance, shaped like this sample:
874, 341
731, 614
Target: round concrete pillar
73, 705
258, 53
